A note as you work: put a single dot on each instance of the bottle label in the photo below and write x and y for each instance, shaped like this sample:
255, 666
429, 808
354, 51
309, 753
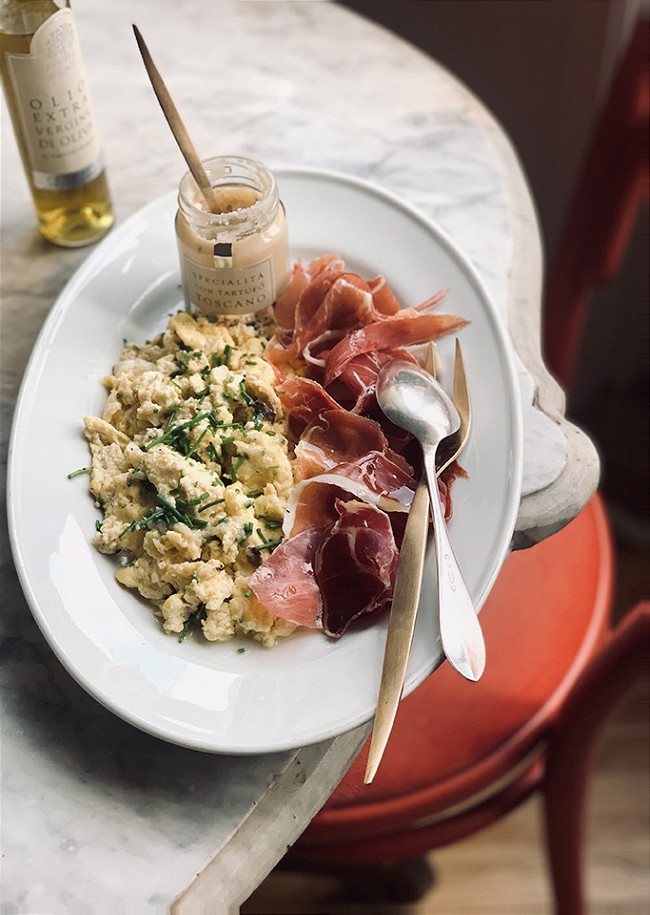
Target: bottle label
229, 291
57, 117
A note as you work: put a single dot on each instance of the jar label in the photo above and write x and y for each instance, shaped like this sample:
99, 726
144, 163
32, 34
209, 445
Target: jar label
54, 106
229, 291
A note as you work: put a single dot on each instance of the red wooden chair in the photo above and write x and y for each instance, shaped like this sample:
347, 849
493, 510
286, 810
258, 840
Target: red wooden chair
464, 754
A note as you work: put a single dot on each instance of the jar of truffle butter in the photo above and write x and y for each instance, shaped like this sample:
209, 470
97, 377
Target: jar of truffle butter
235, 258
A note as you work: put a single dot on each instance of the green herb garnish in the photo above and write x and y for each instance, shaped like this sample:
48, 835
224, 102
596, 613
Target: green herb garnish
193, 622
80, 472
270, 545
166, 513
210, 504
245, 532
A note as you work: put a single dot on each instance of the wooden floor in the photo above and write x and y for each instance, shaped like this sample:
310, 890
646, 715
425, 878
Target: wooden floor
502, 870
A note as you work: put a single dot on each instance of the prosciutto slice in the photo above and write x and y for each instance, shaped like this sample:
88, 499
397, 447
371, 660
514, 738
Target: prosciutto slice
301, 277
285, 583
323, 301
339, 436
347, 304
360, 372
304, 399
389, 334
346, 571
373, 478
383, 297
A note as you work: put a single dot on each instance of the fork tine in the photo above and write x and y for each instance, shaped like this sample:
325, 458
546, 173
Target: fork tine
455, 443
461, 394
430, 362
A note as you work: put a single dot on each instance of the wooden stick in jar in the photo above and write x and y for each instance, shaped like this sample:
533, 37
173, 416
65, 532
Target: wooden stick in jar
177, 126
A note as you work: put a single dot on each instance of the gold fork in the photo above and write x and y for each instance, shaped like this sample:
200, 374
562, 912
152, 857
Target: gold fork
452, 447
408, 582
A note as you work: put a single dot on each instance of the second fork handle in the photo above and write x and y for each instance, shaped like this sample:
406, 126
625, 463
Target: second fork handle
460, 630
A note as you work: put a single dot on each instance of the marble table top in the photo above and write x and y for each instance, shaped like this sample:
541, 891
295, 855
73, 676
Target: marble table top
97, 815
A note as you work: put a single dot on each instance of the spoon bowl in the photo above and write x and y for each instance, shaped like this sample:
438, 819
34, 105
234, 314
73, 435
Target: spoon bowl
415, 401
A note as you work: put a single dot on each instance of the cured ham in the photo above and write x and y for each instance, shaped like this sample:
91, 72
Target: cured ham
301, 277
324, 299
337, 436
383, 297
389, 334
345, 516
285, 583
355, 566
328, 576
303, 400
347, 304
373, 478
360, 372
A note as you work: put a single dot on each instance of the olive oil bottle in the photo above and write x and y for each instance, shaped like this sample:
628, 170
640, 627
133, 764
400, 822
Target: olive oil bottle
47, 98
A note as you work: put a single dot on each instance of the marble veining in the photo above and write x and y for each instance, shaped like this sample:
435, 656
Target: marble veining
98, 816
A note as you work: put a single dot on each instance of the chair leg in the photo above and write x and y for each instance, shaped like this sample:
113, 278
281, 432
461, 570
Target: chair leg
603, 684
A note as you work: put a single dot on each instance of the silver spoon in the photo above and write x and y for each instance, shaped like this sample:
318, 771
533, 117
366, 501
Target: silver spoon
413, 400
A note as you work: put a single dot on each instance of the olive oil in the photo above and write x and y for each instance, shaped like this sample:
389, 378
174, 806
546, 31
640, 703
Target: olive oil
51, 112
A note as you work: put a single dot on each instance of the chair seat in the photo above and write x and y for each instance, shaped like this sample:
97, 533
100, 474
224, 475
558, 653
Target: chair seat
452, 739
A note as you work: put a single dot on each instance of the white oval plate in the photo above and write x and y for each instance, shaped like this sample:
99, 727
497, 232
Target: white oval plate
210, 696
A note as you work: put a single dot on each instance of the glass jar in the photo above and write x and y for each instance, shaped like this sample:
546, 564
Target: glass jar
235, 261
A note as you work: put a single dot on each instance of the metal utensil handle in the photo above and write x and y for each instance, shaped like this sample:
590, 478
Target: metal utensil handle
401, 626
460, 631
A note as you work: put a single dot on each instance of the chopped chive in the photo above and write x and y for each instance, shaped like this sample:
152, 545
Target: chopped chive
210, 504
197, 499
80, 472
246, 397
245, 532
173, 511
269, 545
176, 436
198, 442
165, 512
193, 622
211, 451
173, 410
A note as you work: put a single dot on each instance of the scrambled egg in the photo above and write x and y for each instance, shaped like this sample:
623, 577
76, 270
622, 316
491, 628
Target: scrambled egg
192, 468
